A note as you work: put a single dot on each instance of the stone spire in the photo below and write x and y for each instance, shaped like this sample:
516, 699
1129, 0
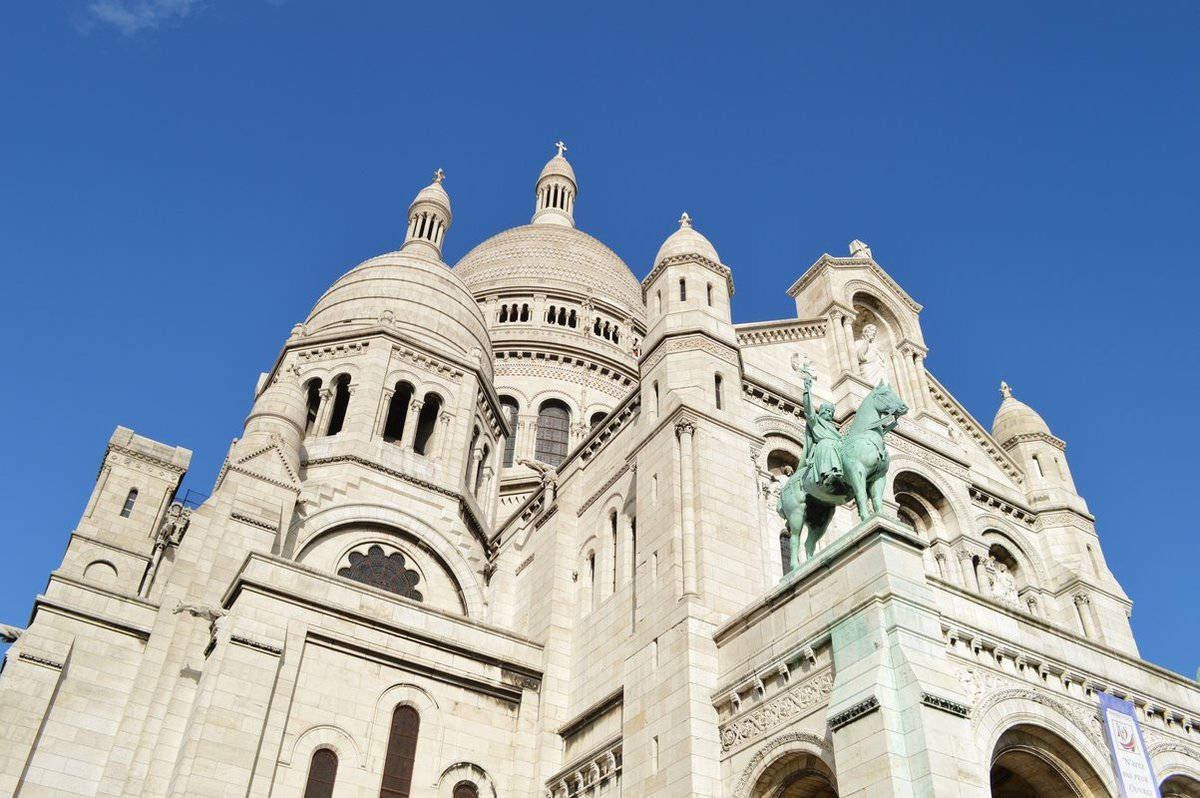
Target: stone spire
428, 219
556, 191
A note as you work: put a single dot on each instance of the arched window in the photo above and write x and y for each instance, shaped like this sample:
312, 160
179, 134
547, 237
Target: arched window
682, 290
510, 408
717, 390
562, 317
503, 314
130, 500
551, 315
656, 397
553, 432
572, 320
524, 312
466, 789
401, 753
596, 326
312, 393
341, 401
616, 334
397, 414
597, 419
388, 572
427, 422
1037, 465
708, 291
658, 302
322, 771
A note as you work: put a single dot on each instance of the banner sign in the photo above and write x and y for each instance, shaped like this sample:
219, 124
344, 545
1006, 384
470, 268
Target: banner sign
1131, 760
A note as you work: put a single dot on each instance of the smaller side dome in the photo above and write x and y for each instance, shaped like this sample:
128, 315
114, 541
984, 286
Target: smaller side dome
1015, 418
686, 241
556, 191
429, 218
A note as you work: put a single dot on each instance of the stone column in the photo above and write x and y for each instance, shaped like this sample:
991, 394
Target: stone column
410, 424
382, 414
1083, 606
851, 352
967, 567
685, 431
443, 435
835, 334
324, 409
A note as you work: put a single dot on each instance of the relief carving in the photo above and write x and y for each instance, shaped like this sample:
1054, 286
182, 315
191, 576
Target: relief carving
796, 702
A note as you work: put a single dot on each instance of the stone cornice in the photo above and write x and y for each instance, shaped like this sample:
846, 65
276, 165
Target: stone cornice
1057, 443
761, 333
719, 269
828, 261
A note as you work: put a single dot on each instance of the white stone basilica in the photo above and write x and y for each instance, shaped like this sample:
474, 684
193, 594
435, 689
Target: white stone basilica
509, 529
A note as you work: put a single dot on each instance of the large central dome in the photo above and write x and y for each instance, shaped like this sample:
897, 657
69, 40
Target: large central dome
544, 257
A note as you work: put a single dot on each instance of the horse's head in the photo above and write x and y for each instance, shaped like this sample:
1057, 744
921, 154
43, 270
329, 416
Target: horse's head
887, 404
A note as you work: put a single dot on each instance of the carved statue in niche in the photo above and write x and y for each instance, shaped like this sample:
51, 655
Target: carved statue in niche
1001, 583
872, 360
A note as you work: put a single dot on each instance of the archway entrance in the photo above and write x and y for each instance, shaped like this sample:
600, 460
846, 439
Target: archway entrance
1031, 762
797, 775
1180, 787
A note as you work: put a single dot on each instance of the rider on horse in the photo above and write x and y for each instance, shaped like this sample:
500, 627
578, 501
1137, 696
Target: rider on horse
822, 441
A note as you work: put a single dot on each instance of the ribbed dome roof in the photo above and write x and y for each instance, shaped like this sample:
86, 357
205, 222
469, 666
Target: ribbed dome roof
1014, 418
425, 299
434, 193
558, 165
686, 241
546, 257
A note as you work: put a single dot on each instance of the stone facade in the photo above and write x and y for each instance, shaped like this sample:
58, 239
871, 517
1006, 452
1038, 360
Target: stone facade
509, 529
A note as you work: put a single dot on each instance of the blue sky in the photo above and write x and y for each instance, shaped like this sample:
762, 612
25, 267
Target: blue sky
182, 179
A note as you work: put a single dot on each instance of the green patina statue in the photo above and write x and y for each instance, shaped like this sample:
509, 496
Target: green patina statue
838, 469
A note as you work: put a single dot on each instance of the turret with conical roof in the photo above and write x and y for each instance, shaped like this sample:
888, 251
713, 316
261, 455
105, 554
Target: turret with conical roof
556, 191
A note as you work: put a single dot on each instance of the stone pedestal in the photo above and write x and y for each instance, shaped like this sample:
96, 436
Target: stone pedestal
897, 713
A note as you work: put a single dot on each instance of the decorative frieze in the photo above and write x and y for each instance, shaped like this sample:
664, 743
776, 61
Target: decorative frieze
796, 702
332, 351
945, 705
992, 502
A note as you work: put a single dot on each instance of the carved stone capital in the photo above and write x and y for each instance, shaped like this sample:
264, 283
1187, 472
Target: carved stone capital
685, 428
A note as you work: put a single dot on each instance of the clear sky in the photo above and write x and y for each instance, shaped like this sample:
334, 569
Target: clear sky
181, 179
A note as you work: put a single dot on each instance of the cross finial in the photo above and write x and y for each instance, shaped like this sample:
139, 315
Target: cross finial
439, 176
1005, 391
561, 147
685, 220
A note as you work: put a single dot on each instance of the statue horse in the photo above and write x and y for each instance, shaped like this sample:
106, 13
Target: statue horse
805, 502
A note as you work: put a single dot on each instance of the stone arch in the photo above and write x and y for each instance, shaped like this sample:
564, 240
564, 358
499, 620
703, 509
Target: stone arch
331, 369
1029, 761
997, 530
1178, 770
781, 757
1179, 785
100, 572
781, 426
324, 735
466, 771
305, 531
925, 502
898, 321
994, 715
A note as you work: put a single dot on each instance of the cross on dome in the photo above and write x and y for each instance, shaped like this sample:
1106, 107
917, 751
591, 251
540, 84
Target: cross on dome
561, 147
439, 176
685, 220
1005, 391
